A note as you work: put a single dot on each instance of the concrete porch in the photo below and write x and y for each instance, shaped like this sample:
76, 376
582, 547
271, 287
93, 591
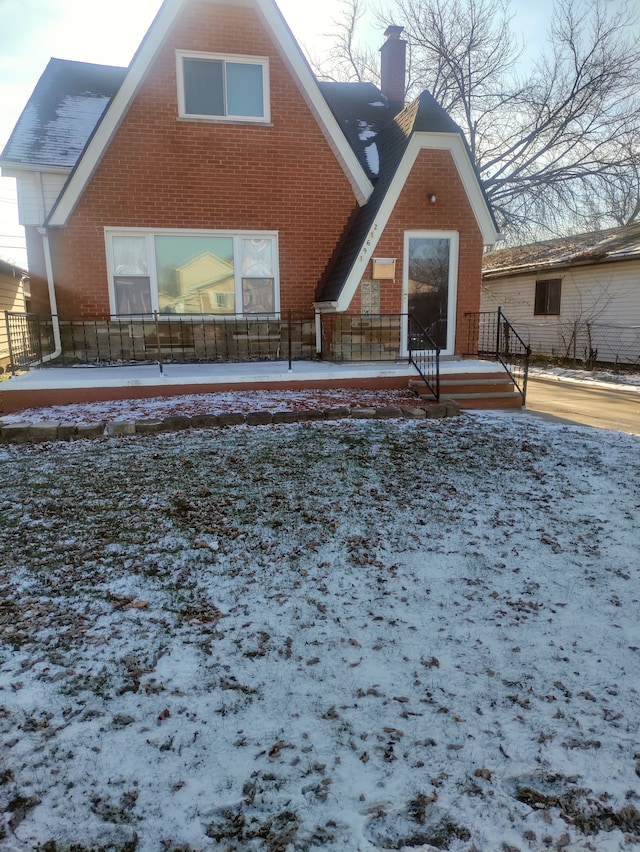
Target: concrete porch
474, 383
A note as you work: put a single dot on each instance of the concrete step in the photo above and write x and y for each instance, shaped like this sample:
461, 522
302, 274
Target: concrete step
467, 378
485, 400
475, 390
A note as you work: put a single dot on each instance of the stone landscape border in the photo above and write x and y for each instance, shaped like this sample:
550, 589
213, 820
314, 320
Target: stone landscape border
42, 431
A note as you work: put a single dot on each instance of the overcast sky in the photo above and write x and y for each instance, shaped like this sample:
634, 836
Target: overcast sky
32, 31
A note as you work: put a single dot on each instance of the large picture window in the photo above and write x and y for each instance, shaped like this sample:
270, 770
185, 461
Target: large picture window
223, 87
193, 273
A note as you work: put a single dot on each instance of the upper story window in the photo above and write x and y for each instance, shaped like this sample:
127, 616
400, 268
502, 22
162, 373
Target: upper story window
219, 87
547, 298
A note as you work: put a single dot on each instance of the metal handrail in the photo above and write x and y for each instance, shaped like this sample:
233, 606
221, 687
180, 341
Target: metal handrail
490, 334
505, 331
424, 354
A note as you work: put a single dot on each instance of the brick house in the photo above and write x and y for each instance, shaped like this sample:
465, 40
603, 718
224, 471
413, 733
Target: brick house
216, 178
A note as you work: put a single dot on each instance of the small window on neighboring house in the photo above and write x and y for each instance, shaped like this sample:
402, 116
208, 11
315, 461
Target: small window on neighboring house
223, 87
547, 301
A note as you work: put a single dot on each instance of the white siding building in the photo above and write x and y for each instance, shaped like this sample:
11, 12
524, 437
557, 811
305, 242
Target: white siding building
576, 298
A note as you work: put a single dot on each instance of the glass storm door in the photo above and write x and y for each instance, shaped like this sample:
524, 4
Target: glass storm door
430, 284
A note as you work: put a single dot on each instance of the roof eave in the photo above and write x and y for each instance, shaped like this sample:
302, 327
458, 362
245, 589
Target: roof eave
308, 85
534, 268
12, 168
113, 115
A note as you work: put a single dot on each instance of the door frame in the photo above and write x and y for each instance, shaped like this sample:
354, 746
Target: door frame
452, 294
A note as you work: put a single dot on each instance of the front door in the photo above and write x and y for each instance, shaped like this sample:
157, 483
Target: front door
430, 278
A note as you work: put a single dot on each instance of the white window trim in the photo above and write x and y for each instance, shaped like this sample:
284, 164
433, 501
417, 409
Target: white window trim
224, 57
150, 233
548, 279
452, 294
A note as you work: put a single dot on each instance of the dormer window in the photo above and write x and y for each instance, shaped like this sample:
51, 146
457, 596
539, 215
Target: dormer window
221, 87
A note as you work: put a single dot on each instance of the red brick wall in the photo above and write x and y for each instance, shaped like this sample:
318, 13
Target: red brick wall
434, 172
163, 172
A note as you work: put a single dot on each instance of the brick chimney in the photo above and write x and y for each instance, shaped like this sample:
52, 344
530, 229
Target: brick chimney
393, 66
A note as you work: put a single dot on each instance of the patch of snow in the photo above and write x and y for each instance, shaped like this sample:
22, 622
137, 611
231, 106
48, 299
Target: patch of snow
601, 378
366, 131
353, 636
373, 157
210, 403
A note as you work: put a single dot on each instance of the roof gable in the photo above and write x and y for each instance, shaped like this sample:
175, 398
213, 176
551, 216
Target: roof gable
291, 54
421, 125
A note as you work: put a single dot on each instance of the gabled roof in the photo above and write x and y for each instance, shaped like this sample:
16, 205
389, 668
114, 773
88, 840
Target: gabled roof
579, 250
422, 124
77, 107
67, 103
291, 55
362, 111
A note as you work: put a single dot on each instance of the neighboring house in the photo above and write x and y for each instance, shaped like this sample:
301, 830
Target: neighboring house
14, 295
216, 178
576, 297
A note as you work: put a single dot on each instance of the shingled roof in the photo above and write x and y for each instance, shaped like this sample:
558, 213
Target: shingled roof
424, 115
362, 111
578, 250
62, 113
70, 98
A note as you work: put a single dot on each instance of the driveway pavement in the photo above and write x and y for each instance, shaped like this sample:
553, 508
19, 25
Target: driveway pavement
590, 405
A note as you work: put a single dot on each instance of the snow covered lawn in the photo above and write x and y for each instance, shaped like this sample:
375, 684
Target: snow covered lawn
355, 635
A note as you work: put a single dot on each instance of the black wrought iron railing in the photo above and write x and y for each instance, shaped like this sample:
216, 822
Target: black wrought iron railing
156, 339
29, 338
491, 335
379, 337
361, 337
424, 354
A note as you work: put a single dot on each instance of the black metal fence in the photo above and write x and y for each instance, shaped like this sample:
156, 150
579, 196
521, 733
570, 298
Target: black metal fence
361, 337
491, 335
582, 343
29, 338
144, 339
157, 339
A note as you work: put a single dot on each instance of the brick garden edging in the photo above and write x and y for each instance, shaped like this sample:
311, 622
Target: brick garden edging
39, 432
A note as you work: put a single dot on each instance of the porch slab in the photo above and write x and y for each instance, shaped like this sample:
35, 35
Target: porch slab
68, 385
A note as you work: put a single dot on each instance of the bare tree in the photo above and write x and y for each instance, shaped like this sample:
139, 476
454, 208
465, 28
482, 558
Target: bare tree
556, 138
348, 61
